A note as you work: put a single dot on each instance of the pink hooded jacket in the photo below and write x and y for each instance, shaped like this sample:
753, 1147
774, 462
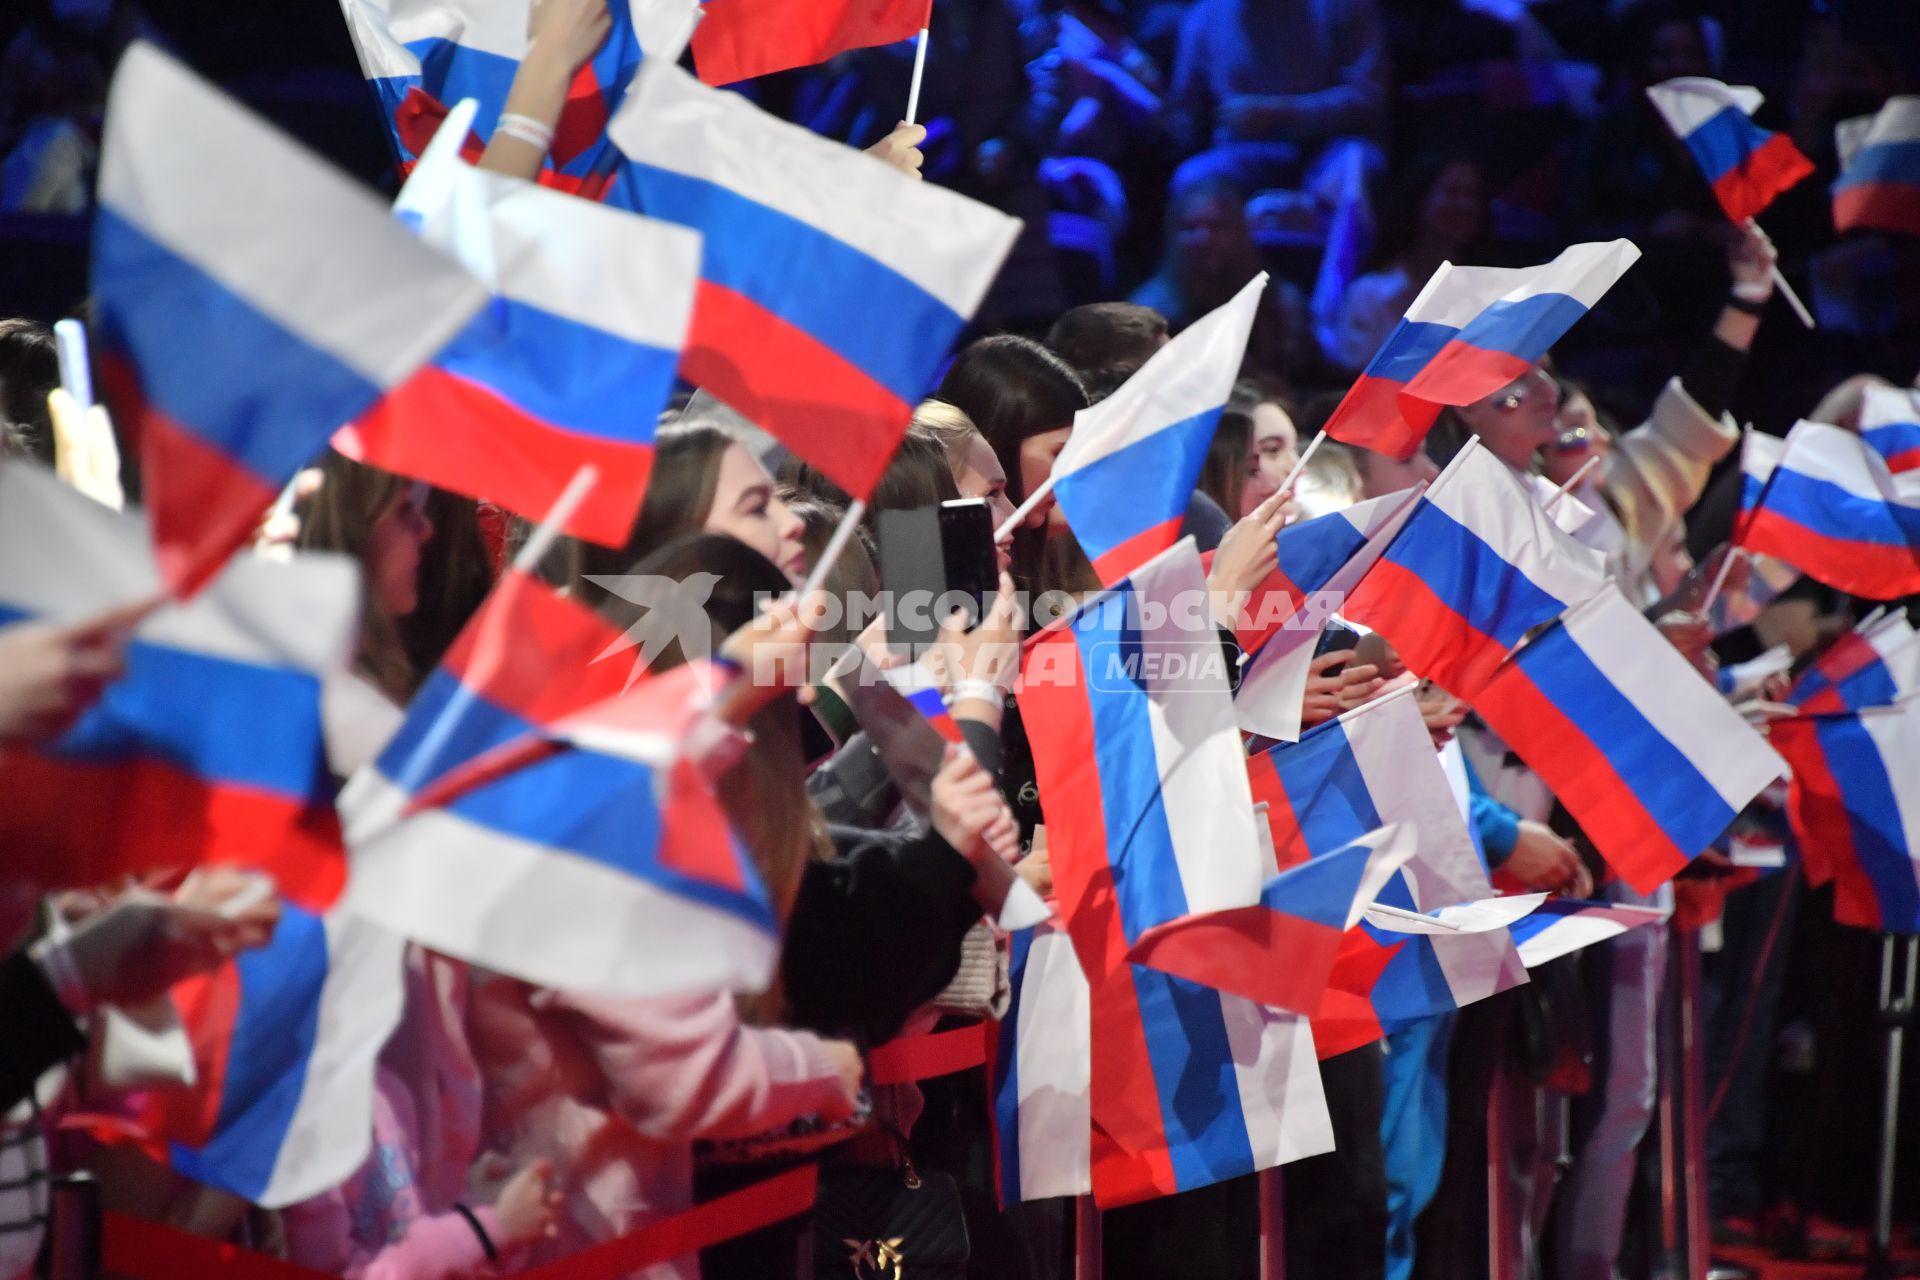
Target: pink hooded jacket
615, 1092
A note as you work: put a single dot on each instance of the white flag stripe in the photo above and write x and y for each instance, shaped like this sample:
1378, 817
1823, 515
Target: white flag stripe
360, 1005
1203, 775
1664, 688
1688, 102
1584, 272
1281, 1097
1895, 730
1842, 459
1898, 121
1483, 916
1053, 1071
630, 276
1568, 934
65, 558
569, 922
229, 193
1478, 491
672, 121
1185, 378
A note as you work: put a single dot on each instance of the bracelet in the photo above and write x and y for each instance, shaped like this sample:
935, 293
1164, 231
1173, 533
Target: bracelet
526, 129
1746, 306
486, 1241
978, 691
1753, 290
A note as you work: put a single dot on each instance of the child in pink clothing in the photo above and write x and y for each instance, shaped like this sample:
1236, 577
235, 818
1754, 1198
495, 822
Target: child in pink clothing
614, 1093
376, 1226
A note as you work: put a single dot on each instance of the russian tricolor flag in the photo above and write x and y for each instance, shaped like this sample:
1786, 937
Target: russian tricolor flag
570, 365
1203, 1087
209, 747
741, 39
1879, 184
1890, 424
421, 56
1281, 952
284, 1042
831, 286
1470, 332
249, 300
1321, 561
595, 859
1475, 567
1343, 779
1830, 507
1643, 752
1139, 761
1875, 664
1855, 808
1746, 166
1561, 926
1127, 472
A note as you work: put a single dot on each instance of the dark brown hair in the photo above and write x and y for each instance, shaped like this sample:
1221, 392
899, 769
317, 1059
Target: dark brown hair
340, 516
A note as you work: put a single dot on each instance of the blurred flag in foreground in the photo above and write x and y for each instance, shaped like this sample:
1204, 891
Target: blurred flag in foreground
209, 747
249, 299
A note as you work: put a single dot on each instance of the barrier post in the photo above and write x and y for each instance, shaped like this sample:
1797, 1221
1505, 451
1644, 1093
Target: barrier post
1896, 1008
1273, 1225
1087, 1264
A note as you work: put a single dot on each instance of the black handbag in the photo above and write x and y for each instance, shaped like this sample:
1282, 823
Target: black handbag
880, 1222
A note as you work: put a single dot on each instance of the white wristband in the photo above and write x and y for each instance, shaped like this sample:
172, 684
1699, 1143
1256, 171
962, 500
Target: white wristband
1753, 290
526, 129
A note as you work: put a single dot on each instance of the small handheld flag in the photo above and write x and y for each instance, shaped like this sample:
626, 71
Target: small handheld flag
1746, 166
1128, 470
831, 286
741, 39
250, 300
1879, 184
568, 367
1645, 754
1829, 506
1470, 332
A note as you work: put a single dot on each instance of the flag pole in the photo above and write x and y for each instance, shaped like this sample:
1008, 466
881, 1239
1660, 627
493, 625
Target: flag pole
1088, 1263
856, 511
1786, 290
919, 71
1313, 446
1553, 499
1273, 1225
1024, 510
527, 561
1720, 579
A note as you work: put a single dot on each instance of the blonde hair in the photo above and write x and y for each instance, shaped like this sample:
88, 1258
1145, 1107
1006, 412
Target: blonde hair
949, 425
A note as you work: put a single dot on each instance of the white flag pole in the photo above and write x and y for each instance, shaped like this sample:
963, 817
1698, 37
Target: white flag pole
1720, 579
919, 71
1786, 290
856, 511
1024, 510
1301, 465
1553, 499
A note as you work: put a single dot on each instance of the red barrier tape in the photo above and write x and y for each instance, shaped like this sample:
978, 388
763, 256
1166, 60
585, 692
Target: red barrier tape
924, 1057
151, 1251
145, 1250
754, 1207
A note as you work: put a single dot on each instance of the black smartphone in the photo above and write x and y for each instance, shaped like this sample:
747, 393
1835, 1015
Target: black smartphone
933, 560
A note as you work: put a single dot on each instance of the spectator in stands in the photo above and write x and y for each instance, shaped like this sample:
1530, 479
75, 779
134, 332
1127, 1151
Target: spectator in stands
1269, 84
1437, 213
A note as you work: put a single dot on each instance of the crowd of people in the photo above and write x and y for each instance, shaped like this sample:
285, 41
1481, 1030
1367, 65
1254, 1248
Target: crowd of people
1161, 154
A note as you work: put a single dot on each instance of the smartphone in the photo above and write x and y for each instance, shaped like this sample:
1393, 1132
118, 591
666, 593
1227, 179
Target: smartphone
933, 559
